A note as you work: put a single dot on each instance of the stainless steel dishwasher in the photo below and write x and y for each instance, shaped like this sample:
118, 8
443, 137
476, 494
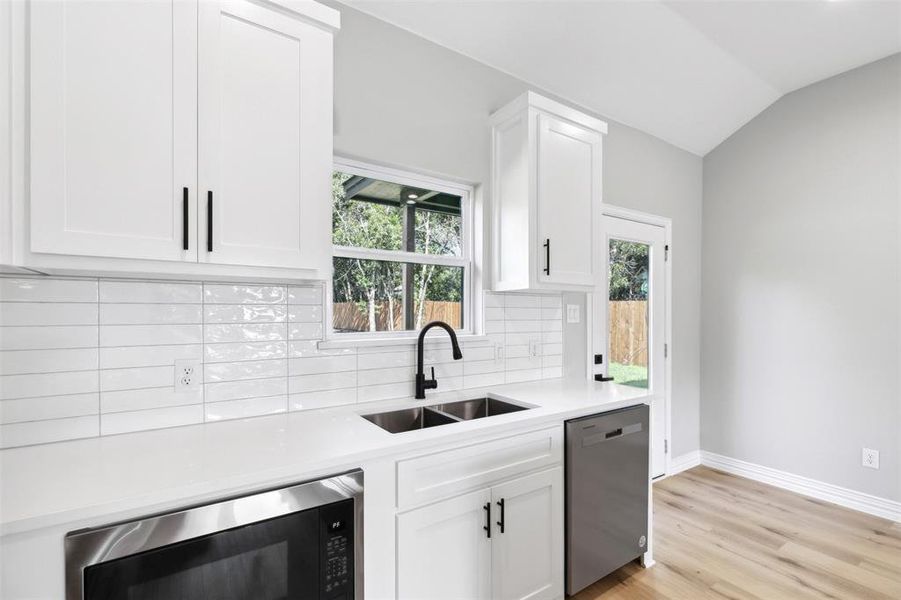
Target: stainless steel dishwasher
606, 493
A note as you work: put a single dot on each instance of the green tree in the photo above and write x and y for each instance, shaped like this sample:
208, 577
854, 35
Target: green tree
628, 270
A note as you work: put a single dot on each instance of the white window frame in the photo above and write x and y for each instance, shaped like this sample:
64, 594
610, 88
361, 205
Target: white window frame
471, 288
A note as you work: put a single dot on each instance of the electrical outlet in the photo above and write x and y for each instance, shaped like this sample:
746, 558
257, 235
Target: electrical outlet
188, 375
498, 352
870, 458
534, 347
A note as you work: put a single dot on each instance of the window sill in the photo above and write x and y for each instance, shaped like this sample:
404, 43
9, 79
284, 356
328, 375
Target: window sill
406, 340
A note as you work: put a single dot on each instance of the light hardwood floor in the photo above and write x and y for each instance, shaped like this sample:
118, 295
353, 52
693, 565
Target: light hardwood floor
722, 536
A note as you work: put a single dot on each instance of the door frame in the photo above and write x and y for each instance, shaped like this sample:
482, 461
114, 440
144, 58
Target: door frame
597, 337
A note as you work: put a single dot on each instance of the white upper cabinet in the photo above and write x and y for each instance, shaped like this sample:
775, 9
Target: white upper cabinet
113, 128
146, 115
546, 175
265, 137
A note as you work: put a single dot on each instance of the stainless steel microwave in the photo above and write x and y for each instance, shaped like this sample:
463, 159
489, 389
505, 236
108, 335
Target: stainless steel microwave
299, 542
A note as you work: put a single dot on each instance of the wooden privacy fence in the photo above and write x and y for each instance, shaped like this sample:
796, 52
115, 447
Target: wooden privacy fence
350, 316
628, 332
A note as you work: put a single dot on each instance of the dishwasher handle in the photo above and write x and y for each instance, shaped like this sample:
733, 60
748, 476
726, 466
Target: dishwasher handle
613, 434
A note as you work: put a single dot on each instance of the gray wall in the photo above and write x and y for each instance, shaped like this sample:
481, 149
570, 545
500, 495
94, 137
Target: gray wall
801, 297
404, 101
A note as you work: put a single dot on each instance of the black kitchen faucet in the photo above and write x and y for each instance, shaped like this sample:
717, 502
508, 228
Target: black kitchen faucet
423, 384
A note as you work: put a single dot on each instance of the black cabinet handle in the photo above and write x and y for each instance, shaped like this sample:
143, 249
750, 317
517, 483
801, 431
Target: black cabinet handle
600, 377
501, 522
487, 526
184, 218
209, 221
547, 256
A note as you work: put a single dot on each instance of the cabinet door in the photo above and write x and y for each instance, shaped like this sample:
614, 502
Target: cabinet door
113, 128
527, 556
265, 137
443, 550
569, 201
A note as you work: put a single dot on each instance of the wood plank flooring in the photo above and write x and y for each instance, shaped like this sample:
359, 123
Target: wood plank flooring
722, 536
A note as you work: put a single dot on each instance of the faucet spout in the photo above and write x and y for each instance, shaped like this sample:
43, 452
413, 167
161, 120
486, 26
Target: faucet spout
423, 384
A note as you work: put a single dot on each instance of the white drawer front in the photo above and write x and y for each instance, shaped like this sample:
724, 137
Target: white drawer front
459, 470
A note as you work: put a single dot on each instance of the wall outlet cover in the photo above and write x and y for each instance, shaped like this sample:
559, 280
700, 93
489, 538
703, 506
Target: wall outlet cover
870, 458
188, 375
573, 313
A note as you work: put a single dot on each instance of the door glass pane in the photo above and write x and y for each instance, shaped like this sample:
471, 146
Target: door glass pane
627, 312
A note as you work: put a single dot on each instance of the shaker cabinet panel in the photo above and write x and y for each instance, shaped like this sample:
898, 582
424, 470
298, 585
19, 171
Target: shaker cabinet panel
527, 552
546, 178
113, 113
265, 136
443, 550
569, 159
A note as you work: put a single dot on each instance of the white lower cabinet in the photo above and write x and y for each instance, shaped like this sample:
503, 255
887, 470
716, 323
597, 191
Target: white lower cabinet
503, 542
527, 556
443, 550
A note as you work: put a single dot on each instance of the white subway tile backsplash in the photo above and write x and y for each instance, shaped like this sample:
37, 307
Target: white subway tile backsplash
87, 357
40, 289
19, 362
118, 357
47, 384
243, 332
235, 390
129, 400
305, 331
239, 351
305, 313
136, 378
150, 314
322, 399
149, 335
251, 369
248, 407
48, 407
46, 313
150, 292
155, 418
305, 295
227, 313
244, 294
322, 381
322, 364
50, 430
40, 338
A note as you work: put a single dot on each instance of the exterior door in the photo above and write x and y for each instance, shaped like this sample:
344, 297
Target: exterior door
265, 137
635, 307
569, 201
113, 128
443, 550
527, 552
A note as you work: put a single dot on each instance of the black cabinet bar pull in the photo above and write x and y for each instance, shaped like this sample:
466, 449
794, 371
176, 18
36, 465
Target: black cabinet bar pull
501, 522
209, 221
184, 218
547, 256
487, 526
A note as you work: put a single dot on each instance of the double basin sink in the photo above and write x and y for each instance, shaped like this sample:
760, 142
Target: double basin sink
421, 417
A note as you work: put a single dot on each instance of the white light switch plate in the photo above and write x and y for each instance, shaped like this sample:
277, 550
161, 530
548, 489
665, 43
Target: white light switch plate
573, 313
870, 458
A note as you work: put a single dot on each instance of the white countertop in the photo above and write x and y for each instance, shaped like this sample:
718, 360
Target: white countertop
107, 478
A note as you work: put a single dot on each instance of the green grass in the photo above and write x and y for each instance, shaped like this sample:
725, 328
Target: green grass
633, 375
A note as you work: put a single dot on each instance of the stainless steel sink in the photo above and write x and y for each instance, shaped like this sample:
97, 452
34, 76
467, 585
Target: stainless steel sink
408, 419
420, 417
478, 408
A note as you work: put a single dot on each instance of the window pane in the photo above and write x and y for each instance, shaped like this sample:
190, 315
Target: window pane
382, 215
376, 295
628, 312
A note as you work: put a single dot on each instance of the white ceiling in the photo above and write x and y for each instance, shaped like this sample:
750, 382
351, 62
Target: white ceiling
689, 72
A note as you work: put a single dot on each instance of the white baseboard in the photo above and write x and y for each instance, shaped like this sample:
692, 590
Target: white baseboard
873, 505
684, 462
